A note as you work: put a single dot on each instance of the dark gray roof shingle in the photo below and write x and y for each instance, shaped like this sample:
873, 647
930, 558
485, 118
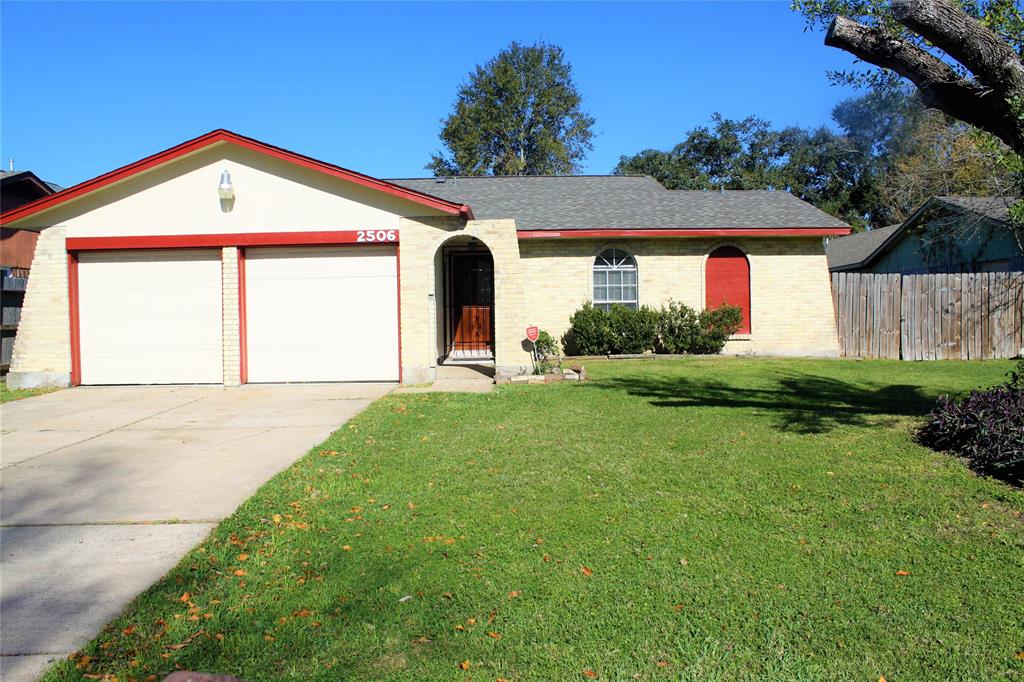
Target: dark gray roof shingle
624, 202
844, 252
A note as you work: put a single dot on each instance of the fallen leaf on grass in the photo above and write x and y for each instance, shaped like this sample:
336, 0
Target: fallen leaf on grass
901, 573
184, 598
494, 635
586, 571
185, 642
1020, 655
347, 548
464, 665
240, 572
513, 594
243, 557
589, 674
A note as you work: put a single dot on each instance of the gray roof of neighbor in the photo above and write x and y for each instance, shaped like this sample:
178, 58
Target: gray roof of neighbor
856, 248
13, 175
995, 208
581, 202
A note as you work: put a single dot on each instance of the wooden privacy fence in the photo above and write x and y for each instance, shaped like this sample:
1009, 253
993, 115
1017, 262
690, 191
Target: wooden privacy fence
962, 316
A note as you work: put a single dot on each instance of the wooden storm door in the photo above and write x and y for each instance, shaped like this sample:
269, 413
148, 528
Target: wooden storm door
472, 292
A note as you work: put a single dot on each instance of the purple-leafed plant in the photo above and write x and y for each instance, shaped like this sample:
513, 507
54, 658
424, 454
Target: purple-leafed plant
986, 428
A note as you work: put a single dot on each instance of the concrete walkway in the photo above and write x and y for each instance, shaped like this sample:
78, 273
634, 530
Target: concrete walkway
102, 490
457, 379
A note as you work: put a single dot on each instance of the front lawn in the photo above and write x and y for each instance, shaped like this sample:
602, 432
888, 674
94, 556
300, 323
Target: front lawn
705, 519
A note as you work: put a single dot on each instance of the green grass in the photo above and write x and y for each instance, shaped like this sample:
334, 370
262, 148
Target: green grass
741, 519
9, 394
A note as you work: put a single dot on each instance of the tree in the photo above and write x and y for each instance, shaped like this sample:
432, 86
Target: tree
947, 157
965, 57
819, 166
519, 114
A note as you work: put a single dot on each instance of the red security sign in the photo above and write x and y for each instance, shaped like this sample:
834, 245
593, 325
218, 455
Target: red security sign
532, 333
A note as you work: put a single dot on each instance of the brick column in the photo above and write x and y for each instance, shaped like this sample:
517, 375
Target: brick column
230, 335
42, 347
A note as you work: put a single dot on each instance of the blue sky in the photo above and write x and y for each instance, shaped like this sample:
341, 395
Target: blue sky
86, 87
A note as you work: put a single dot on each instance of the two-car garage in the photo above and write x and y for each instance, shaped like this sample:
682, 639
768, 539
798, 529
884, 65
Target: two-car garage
305, 313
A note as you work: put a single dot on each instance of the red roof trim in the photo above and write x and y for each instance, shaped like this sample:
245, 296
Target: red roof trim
242, 239
222, 135
695, 232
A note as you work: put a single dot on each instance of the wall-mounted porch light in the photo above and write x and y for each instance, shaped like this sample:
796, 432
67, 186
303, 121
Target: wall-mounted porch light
225, 189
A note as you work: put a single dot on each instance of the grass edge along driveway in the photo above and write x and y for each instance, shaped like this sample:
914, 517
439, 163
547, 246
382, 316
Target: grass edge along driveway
705, 519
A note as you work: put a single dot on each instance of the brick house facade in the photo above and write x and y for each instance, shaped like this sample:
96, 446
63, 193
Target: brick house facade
323, 274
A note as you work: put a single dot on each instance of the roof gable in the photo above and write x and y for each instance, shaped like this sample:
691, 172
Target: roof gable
217, 137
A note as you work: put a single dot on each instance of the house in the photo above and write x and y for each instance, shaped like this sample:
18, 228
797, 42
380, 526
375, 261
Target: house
18, 246
947, 234
16, 250
228, 260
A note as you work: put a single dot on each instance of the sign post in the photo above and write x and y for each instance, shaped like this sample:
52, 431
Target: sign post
532, 334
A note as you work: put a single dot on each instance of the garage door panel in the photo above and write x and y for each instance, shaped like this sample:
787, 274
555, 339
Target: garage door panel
322, 314
150, 317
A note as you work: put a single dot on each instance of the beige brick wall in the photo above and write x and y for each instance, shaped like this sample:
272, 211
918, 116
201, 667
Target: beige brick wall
791, 300
42, 348
229, 317
421, 243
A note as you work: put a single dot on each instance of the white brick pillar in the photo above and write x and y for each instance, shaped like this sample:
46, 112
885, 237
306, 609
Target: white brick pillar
42, 347
230, 334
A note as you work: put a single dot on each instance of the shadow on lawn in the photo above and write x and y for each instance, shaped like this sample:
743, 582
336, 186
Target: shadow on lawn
799, 403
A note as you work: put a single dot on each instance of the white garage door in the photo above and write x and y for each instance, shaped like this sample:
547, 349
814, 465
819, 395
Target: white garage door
322, 314
150, 317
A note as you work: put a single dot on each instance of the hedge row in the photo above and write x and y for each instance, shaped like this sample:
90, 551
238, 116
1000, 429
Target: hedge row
676, 328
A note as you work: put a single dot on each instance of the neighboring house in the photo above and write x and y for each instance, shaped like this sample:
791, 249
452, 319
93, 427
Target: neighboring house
947, 234
227, 260
18, 246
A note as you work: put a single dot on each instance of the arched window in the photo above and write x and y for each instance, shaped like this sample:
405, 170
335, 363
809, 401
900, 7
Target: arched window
614, 279
727, 280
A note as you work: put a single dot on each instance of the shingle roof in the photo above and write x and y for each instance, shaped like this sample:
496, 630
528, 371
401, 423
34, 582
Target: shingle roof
10, 175
858, 249
996, 208
844, 252
581, 202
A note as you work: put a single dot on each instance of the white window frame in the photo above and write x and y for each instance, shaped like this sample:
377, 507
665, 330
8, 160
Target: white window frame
619, 264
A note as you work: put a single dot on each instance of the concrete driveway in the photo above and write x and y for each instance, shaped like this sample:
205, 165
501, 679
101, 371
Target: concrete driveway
102, 490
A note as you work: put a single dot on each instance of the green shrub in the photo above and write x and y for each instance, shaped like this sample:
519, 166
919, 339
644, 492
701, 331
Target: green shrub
633, 330
546, 351
677, 328
716, 325
589, 332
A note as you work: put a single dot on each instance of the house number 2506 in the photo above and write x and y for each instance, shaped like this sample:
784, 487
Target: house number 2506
375, 236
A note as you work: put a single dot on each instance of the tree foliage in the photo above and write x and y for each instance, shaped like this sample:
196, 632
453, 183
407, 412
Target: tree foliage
889, 155
827, 169
519, 114
965, 57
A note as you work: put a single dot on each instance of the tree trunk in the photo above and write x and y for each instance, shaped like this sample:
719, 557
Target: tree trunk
983, 101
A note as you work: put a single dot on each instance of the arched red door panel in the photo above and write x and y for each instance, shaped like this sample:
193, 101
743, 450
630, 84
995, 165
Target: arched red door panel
727, 280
